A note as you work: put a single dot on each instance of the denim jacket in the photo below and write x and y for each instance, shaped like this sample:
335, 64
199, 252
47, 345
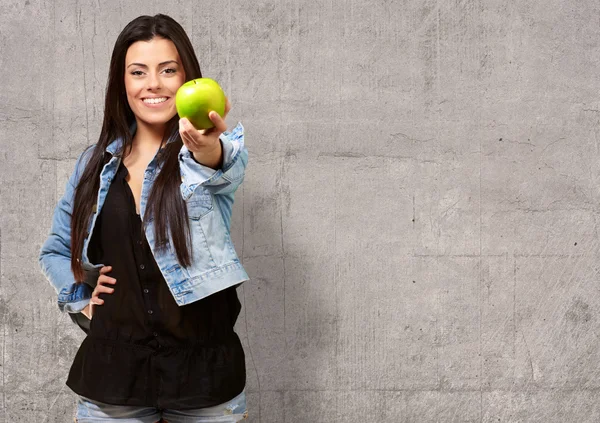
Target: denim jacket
209, 196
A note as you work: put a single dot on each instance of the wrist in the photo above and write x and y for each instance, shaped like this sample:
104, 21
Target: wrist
209, 156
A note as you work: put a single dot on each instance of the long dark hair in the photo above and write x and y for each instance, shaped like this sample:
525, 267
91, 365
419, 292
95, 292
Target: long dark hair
165, 203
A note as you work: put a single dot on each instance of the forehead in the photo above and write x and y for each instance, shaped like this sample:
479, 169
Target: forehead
151, 52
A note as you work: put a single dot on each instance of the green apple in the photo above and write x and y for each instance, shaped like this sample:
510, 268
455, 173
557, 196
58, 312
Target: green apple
195, 99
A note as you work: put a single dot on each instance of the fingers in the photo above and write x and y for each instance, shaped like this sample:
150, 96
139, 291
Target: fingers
219, 121
105, 269
100, 288
96, 301
220, 125
195, 139
106, 279
185, 129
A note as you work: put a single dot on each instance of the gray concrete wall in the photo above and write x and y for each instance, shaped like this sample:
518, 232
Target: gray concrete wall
419, 217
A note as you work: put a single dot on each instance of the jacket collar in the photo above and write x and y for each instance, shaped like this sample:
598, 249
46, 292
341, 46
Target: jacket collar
117, 144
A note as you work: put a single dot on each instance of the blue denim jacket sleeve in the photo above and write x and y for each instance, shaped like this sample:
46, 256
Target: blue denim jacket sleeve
55, 253
221, 181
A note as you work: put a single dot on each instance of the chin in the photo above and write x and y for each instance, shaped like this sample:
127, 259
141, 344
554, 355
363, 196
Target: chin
156, 120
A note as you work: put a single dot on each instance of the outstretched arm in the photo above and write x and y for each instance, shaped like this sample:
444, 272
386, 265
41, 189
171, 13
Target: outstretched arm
213, 158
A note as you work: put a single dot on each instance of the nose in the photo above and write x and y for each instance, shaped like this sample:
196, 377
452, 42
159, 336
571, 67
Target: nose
153, 82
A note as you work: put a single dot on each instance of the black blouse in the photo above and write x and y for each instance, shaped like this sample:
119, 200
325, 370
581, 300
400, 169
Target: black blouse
142, 348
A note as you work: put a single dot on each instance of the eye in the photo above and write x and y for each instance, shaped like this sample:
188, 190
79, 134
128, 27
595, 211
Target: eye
138, 73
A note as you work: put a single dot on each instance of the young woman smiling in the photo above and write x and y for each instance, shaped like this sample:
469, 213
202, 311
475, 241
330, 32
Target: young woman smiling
140, 253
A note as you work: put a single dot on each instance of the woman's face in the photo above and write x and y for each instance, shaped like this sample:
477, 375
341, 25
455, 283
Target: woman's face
153, 69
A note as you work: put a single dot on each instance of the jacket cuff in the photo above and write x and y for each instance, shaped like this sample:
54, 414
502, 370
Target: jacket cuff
74, 298
194, 174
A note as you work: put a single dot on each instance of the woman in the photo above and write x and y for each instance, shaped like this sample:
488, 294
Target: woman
140, 253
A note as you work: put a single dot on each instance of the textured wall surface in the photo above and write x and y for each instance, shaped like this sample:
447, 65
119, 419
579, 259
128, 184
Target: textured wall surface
419, 217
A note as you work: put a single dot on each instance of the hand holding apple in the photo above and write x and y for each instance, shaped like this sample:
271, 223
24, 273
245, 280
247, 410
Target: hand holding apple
203, 140
196, 98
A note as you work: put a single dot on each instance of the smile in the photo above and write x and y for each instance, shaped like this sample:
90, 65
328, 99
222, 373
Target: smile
155, 100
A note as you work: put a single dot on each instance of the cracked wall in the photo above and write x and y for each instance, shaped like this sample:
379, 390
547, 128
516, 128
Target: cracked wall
418, 218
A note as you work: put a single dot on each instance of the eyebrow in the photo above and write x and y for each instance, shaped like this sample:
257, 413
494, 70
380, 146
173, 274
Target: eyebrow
160, 64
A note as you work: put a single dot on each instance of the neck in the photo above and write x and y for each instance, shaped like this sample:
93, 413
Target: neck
148, 137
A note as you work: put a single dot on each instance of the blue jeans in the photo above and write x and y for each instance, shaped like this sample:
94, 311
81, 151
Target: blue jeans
92, 411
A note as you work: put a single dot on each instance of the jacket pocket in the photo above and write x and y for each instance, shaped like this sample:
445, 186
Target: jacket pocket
199, 205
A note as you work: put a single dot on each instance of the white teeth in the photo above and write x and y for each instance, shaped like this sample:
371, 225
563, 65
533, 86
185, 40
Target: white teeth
155, 100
